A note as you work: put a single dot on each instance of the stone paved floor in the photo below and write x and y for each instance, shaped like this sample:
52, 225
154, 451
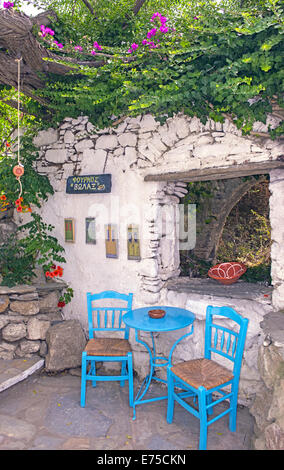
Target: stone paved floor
42, 412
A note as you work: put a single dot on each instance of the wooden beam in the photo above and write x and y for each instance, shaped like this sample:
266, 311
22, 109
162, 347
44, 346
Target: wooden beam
209, 174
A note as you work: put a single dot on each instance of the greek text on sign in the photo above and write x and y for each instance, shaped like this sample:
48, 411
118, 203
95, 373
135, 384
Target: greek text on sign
88, 184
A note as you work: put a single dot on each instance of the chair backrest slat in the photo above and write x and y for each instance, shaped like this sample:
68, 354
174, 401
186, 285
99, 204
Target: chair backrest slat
222, 340
106, 316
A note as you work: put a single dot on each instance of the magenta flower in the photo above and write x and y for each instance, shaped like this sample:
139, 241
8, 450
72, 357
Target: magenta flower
134, 46
163, 19
144, 42
8, 5
46, 31
155, 16
58, 44
78, 48
97, 46
93, 52
164, 29
151, 33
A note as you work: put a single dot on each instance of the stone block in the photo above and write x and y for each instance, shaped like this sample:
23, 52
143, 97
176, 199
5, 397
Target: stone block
56, 155
148, 123
46, 137
25, 307
4, 320
4, 302
83, 145
14, 331
66, 341
128, 139
49, 301
69, 137
7, 350
27, 347
149, 267
182, 127
37, 329
107, 142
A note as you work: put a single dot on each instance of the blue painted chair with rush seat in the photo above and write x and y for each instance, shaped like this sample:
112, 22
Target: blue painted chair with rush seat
201, 378
107, 349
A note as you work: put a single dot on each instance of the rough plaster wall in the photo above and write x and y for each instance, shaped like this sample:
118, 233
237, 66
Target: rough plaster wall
135, 148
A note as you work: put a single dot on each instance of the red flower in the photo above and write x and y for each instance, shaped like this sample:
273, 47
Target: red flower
47, 274
18, 201
7, 144
19, 209
3, 197
61, 304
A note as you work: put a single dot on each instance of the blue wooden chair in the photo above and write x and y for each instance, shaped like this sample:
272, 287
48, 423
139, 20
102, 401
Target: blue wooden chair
107, 349
201, 378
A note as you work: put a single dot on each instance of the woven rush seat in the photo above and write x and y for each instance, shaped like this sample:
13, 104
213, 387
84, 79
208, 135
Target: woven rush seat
108, 347
202, 372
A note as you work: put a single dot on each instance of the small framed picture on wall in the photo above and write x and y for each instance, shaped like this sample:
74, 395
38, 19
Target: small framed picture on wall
111, 234
91, 230
69, 230
133, 242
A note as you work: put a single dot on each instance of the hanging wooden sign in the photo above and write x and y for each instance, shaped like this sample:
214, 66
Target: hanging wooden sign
88, 184
133, 242
111, 241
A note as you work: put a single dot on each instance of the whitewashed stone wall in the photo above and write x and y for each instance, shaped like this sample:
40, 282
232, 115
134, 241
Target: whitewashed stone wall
133, 149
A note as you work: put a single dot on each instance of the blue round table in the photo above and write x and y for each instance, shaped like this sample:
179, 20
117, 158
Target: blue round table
174, 319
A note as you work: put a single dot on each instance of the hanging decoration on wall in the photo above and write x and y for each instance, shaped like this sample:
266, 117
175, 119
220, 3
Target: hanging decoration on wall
18, 169
111, 241
133, 242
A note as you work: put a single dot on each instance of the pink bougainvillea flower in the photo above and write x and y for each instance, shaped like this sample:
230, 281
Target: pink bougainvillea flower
164, 29
93, 52
58, 44
155, 16
46, 31
8, 5
151, 33
78, 48
134, 46
97, 46
163, 19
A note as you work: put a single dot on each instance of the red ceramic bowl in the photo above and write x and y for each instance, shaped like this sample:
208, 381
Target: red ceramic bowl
227, 273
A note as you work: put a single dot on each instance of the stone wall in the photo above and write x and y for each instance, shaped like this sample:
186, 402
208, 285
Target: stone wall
26, 314
268, 406
150, 164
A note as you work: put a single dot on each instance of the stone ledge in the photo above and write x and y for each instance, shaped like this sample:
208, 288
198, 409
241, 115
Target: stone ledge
15, 370
25, 289
239, 290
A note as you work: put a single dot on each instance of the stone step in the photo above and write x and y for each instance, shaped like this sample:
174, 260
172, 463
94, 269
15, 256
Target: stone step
15, 370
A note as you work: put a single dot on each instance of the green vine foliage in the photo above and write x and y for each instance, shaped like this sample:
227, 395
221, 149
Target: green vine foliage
217, 60
214, 62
